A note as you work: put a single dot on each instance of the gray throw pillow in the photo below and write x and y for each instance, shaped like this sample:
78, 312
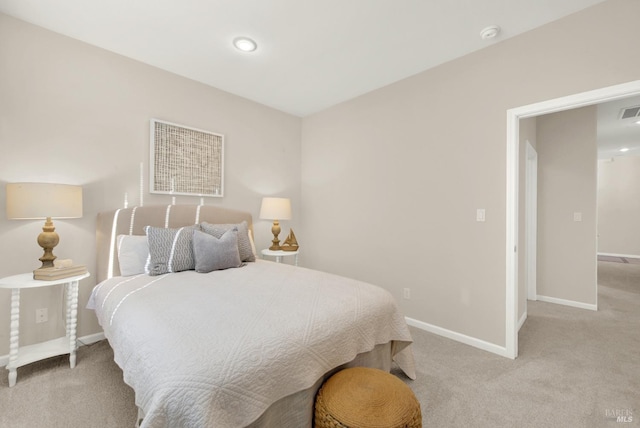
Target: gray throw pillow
244, 243
212, 253
170, 250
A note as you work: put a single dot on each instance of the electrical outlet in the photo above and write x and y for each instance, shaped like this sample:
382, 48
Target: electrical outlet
42, 315
406, 293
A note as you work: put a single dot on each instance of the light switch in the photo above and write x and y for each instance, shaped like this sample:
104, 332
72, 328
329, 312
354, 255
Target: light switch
480, 214
577, 216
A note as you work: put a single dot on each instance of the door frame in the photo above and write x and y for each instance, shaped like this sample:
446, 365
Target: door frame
531, 221
514, 115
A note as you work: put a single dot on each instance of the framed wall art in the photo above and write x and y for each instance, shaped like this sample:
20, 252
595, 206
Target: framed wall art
185, 161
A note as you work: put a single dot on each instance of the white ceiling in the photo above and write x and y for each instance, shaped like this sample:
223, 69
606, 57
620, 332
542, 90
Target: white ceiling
615, 133
311, 54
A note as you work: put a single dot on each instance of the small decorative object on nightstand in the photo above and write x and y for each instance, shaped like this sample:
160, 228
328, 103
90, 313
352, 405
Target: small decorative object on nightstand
61, 269
290, 244
64, 345
280, 254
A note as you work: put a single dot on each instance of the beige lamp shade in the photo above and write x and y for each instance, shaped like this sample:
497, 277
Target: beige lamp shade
42, 200
275, 209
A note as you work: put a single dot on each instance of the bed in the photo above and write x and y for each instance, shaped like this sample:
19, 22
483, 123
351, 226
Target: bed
245, 346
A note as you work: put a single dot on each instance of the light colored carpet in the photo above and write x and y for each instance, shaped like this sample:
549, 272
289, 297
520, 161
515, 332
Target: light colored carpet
576, 368
49, 394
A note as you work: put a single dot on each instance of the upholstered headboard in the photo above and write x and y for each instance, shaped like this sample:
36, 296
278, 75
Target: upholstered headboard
131, 221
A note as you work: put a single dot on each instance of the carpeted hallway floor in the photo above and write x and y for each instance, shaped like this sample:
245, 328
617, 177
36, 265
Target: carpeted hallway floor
576, 368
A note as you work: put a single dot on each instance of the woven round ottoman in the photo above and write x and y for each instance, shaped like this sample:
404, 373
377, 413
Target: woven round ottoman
361, 397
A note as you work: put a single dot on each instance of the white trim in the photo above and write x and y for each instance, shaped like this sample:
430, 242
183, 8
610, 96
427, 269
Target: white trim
571, 303
133, 219
166, 216
458, 337
514, 115
627, 256
84, 340
511, 292
112, 244
523, 318
91, 338
531, 221
597, 96
198, 213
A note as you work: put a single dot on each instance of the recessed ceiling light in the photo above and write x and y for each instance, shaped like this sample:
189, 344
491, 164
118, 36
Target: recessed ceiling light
638, 122
490, 32
245, 44
625, 149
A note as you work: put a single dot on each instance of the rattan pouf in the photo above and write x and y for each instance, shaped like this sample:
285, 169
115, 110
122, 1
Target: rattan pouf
361, 397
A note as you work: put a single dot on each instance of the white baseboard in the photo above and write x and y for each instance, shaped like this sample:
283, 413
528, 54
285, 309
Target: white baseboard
564, 302
84, 340
91, 338
630, 256
459, 337
523, 318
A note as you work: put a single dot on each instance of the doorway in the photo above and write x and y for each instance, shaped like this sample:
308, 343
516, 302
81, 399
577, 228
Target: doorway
513, 117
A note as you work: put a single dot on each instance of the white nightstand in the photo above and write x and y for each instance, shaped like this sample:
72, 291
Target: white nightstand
280, 254
64, 345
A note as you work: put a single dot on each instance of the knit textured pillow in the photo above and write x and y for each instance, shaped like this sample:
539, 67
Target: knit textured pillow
170, 250
244, 243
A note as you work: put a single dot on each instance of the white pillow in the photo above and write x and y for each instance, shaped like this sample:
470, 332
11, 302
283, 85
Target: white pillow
133, 252
253, 244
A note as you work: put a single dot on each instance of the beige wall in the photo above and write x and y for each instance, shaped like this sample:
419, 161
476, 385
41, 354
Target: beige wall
391, 180
527, 134
73, 113
619, 206
567, 184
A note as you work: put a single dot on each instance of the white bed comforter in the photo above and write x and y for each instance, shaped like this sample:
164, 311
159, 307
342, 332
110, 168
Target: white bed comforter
218, 349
